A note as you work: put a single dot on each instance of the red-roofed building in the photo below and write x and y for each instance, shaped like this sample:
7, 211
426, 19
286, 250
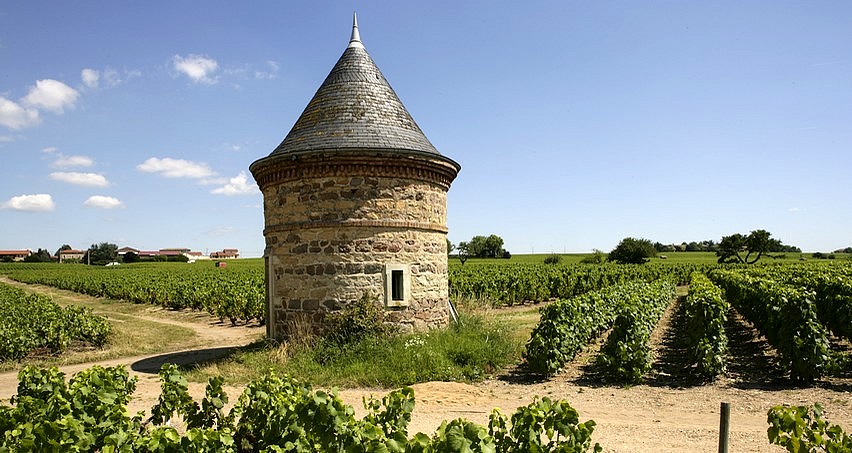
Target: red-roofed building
14, 255
225, 254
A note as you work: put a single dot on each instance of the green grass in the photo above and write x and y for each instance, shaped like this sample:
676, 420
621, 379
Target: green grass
470, 351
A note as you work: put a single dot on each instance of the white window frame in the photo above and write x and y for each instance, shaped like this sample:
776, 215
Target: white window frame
406, 285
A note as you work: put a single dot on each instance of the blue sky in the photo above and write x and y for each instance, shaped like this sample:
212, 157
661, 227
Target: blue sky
576, 124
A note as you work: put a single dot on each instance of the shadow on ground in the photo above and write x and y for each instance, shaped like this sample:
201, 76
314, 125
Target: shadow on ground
184, 359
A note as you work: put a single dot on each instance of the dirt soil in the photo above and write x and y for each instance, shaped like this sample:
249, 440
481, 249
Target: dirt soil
670, 412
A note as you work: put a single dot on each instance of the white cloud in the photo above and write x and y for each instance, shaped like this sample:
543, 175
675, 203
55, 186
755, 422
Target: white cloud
103, 202
81, 179
176, 168
53, 95
196, 67
41, 202
6, 139
91, 77
238, 185
13, 116
50, 150
271, 73
108, 77
73, 161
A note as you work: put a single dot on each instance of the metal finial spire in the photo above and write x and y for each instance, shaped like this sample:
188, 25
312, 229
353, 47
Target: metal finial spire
355, 40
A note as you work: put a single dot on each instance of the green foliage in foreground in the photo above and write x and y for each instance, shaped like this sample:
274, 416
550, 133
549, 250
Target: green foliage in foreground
274, 414
802, 429
471, 350
33, 321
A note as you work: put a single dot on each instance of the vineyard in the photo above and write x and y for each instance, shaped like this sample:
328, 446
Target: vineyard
235, 293
32, 322
803, 311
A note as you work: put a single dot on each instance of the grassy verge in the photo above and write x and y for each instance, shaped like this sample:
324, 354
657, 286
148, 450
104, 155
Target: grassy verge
469, 351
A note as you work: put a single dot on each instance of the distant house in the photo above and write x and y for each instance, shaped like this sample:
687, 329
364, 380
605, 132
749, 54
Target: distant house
125, 250
14, 255
225, 254
70, 255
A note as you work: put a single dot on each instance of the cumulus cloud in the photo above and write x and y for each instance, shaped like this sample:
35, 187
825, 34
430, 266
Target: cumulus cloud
50, 150
103, 202
176, 168
81, 179
238, 185
198, 68
41, 202
14, 116
6, 139
53, 95
73, 161
91, 77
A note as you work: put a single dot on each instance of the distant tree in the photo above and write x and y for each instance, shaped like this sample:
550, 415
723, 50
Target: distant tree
632, 251
64, 247
846, 250
130, 257
463, 251
494, 246
693, 247
486, 247
177, 258
100, 254
738, 248
450, 247
41, 256
506, 255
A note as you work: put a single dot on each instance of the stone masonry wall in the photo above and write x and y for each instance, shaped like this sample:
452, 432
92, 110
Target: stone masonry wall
329, 239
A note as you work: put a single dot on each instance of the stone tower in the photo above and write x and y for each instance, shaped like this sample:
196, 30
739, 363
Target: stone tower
355, 202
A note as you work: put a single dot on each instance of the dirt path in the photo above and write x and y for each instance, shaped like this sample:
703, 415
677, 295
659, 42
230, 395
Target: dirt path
667, 414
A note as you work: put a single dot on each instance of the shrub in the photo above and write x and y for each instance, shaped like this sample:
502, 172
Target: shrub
363, 319
553, 258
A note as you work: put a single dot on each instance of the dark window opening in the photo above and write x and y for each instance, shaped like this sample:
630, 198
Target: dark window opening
397, 291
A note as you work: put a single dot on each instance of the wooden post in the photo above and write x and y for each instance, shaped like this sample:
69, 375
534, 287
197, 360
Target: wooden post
724, 424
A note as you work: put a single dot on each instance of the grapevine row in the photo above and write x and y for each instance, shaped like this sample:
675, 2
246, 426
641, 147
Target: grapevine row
706, 312
516, 283
566, 326
30, 322
626, 356
832, 286
786, 315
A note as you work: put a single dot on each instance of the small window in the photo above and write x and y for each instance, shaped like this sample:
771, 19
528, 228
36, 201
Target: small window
397, 285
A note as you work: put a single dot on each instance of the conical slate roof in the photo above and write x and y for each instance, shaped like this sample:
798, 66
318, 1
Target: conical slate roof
355, 108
